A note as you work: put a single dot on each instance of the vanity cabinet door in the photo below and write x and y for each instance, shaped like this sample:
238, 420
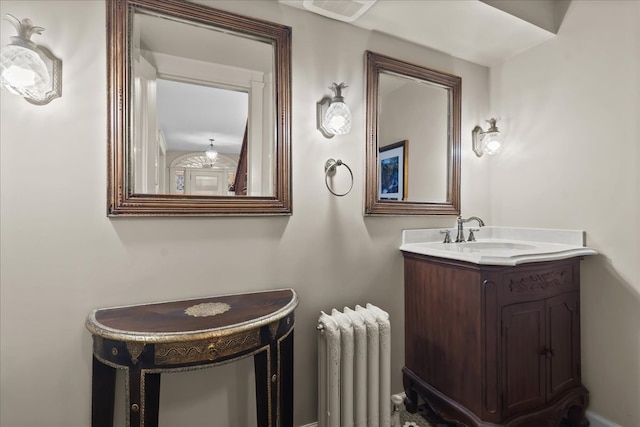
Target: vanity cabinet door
563, 330
523, 341
541, 351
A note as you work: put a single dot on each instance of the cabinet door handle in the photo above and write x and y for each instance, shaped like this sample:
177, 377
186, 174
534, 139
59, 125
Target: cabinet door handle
547, 352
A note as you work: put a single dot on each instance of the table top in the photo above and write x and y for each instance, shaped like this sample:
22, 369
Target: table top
189, 319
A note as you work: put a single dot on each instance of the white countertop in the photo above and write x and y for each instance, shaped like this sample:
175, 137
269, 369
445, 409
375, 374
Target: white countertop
499, 245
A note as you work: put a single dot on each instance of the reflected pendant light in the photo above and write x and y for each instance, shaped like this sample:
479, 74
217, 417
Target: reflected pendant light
210, 152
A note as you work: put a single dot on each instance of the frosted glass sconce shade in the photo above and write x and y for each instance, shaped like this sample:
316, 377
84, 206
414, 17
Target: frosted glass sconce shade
210, 152
333, 115
489, 142
338, 118
24, 72
492, 143
27, 69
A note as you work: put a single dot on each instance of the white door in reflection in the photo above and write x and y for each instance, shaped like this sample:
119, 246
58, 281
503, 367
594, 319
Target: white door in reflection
207, 183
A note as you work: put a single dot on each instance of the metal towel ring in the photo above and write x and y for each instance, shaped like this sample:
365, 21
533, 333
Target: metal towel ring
330, 166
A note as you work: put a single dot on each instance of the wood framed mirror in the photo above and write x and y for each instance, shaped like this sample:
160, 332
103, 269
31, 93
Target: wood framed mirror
413, 139
199, 111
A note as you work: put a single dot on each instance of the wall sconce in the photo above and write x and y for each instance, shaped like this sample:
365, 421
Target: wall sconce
489, 142
27, 69
210, 152
332, 114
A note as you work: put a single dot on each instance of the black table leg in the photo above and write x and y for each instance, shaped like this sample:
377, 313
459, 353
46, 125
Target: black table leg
286, 381
274, 384
151, 399
144, 398
135, 397
103, 388
263, 362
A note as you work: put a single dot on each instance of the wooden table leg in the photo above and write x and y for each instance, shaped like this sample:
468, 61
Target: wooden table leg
144, 398
263, 366
133, 398
151, 400
286, 381
103, 388
274, 384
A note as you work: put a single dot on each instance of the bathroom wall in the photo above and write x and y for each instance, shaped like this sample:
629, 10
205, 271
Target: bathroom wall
62, 257
571, 110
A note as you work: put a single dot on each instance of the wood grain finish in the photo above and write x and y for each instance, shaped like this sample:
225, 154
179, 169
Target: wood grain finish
493, 345
150, 339
170, 317
429, 289
121, 199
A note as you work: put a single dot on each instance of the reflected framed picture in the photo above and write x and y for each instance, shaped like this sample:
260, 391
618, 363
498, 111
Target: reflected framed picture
393, 171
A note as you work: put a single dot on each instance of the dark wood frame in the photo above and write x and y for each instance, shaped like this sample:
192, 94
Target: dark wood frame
405, 164
375, 64
121, 201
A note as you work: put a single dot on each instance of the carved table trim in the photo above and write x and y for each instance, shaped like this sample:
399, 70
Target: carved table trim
149, 339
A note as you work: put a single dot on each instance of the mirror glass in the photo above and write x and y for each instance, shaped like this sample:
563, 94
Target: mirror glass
205, 126
413, 139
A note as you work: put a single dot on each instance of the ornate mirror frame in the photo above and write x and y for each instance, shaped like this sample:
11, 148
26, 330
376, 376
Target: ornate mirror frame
376, 64
121, 199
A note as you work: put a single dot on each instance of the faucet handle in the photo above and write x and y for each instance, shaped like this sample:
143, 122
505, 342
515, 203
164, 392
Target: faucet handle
447, 236
472, 237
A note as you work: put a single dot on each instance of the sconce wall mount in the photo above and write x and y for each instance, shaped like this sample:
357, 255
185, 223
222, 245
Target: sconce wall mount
489, 141
28, 69
333, 116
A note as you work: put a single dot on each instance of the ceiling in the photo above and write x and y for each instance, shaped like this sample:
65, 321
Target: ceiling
189, 115
484, 32
191, 111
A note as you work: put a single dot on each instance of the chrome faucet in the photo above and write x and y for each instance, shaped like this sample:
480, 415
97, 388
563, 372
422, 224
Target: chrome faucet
461, 221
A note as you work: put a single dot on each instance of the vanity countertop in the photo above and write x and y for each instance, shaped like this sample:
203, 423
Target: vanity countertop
499, 245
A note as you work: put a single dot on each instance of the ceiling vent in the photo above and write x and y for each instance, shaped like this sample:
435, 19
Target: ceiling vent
342, 10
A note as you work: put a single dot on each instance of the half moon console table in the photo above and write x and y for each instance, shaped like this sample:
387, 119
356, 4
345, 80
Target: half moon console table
149, 339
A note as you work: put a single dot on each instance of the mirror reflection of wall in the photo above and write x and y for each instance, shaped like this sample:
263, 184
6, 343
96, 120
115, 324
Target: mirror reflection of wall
416, 111
413, 138
190, 85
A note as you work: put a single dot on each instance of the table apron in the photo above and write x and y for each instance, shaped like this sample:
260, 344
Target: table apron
213, 350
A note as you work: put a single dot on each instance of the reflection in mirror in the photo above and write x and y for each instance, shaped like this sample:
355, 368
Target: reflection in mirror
415, 110
187, 114
412, 106
208, 103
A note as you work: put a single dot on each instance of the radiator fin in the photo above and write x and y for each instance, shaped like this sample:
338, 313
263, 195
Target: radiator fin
354, 358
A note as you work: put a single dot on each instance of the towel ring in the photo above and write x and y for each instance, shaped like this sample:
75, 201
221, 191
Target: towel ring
330, 166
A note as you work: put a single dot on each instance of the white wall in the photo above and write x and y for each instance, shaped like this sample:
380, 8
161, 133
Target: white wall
62, 257
571, 110
417, 113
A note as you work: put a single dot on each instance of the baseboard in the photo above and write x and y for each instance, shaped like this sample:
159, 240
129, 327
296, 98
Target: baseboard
596, 420
316, 424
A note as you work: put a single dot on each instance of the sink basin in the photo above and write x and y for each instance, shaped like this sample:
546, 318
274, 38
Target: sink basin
501, 247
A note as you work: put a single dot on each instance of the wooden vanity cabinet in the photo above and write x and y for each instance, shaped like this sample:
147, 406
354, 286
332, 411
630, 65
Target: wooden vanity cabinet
494, 345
